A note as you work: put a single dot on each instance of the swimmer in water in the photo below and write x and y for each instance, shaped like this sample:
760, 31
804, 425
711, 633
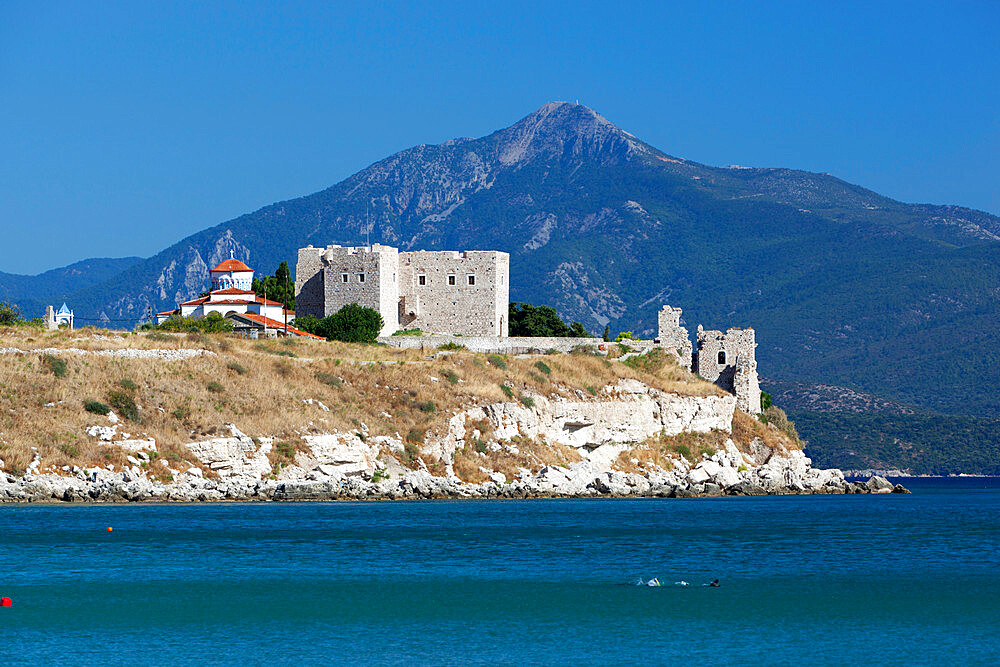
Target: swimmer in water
653, 582
714, 583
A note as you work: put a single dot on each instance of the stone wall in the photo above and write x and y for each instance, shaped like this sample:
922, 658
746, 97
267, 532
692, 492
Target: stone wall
746, 385
338, 276
438, 291
494, 345
729, 360
309, 282
673, 336
437, 296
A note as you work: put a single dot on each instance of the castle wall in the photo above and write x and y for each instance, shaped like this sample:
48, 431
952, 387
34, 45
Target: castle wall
737, 371
445, 302
330, 278
673, 336
309, 292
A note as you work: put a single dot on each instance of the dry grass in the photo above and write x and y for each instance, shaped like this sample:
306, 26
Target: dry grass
662, 450
261, 387
746, 428
531, 455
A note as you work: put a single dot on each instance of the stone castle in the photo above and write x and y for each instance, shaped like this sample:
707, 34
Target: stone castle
448, 292
727, 359
467, 293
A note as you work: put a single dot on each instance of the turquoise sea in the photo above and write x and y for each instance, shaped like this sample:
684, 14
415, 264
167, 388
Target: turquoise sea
815, 579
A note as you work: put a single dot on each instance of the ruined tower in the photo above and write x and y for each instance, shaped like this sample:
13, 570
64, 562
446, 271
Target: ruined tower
673, 336
729, 360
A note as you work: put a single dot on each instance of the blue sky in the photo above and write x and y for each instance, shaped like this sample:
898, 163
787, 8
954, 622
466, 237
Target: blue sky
127, 126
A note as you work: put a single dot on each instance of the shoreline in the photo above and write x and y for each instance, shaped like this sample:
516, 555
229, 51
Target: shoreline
416, 485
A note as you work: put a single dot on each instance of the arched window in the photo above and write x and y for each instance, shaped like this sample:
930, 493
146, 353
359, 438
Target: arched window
722, 356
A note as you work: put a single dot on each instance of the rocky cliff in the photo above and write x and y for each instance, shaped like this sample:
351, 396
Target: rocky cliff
621, 420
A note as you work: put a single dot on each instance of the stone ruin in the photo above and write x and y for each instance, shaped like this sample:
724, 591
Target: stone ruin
727, 359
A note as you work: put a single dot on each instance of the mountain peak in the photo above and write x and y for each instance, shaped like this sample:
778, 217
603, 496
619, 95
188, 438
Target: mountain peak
564, 129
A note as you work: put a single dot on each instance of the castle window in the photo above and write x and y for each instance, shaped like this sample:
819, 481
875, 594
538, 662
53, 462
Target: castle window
361, 277
343, 277
722, 357
472, 280
421, 280
451, 280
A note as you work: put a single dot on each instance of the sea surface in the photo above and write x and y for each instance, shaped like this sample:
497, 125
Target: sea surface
892, 579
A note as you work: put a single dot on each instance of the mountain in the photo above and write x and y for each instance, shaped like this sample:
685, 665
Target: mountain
33, 293
844, 286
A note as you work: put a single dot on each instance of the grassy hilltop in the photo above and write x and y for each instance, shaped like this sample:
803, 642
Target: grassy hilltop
293, 387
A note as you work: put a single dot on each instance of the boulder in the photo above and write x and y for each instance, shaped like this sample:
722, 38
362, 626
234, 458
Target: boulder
879, 484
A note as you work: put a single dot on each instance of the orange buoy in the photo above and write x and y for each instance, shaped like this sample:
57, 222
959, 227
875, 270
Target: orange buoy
5, 602
109, 529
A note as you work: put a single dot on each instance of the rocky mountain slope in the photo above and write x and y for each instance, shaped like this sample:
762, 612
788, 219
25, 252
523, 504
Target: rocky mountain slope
844, 286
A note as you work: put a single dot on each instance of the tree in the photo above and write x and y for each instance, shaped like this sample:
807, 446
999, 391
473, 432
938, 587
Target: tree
10, 314
537, 321
309, 323
279, 287
353, 324
607, 333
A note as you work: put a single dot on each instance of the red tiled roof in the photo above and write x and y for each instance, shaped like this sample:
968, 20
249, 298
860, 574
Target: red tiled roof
232, 265
170, 312
232, 302
232, 290
273, 324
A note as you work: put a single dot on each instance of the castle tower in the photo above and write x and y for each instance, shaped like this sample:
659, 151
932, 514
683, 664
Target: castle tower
673, 336
327, 279
729, 360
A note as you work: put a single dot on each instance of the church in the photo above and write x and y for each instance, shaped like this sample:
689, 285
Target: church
231, 296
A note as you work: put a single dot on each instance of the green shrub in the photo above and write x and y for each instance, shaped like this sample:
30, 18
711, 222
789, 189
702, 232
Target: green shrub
212, 323
684, 451
236, 368
651, 362
479, 445
409, 332
330, 380
528, 401
427, 406
536, 377
507, 391
450, 347
776, 417
497, 361
55, 365
285, 450
125, 404
591, 390
127, 384
624, 335
96, 407
10, 314
215, 387
543, 367
416, 436
765, 400
450, 376
69, 450
181, 412
355, 324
